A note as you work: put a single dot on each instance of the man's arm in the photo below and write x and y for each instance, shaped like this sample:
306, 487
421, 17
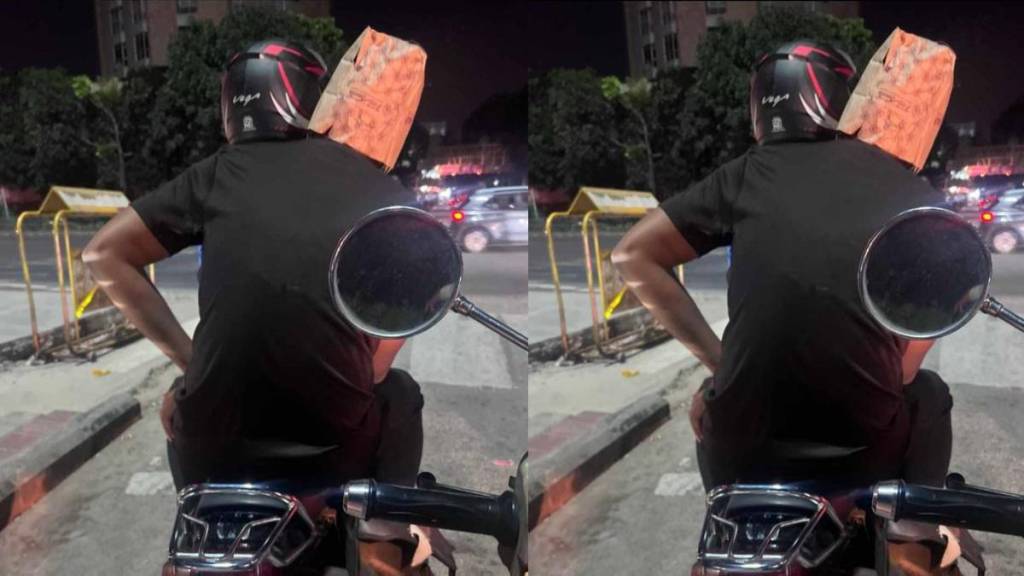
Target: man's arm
913, 357
114, 257
644, 256
384, 357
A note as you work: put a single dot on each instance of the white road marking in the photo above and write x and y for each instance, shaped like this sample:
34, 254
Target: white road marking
672, 484
685, 462
149, 483
155, 462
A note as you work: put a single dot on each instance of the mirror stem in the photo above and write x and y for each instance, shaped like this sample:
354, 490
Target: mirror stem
993, 307
467, 308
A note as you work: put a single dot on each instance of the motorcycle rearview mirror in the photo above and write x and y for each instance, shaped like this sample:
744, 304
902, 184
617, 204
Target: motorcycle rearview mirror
397, 272
926, 273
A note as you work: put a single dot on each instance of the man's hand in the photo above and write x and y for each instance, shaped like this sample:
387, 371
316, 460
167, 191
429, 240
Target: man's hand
697, 408
167, 413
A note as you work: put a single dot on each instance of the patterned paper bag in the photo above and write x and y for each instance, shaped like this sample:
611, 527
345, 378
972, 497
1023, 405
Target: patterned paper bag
371, 100
900, 101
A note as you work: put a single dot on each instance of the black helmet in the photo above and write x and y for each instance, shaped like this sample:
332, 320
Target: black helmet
270, 90
798, 92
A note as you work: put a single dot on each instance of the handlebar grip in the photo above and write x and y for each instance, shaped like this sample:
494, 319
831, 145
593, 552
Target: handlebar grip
464, 512
896, 500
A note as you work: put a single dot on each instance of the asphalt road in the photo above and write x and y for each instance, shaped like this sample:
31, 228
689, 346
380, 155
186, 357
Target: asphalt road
706, 273
709, 271
180, 270
644, 515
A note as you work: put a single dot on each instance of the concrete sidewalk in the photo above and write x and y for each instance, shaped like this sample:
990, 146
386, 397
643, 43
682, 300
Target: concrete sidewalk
56, 416
583, 418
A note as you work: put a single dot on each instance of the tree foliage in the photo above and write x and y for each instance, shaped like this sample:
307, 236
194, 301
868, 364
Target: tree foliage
40, 131
569, 139
186, 122
716, 119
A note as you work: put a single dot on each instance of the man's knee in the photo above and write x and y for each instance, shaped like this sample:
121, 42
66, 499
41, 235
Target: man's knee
929, 393
399, 391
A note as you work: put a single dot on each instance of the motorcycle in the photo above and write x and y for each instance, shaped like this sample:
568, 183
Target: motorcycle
924, 275
396, 273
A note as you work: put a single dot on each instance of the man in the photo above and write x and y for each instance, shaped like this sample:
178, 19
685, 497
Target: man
801, 359
272, 361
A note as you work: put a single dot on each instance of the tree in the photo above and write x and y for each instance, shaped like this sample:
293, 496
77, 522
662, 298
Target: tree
16, 152
715, 124
45, 120
414, 150
1009, 126
106, 96
186, 119
668, 96
635, 98
571, 131
936, 166
502, 118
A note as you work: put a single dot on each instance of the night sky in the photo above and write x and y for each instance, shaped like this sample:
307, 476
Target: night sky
474, 50
988, 38
478, 49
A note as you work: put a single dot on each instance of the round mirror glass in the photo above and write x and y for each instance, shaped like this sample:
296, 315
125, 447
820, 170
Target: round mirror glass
396, 273
925, 274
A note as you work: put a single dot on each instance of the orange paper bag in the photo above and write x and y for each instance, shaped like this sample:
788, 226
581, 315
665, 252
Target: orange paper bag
372, 98
900, 101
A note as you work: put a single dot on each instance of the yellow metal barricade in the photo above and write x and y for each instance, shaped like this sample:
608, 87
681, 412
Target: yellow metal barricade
610, 294
78, 293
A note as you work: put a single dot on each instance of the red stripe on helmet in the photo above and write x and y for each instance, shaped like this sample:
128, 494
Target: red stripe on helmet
817, 87
288, 86
275, 49
806, 51
315, 70
844, 71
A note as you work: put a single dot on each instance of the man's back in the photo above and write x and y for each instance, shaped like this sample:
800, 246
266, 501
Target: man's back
271, 357
798, 216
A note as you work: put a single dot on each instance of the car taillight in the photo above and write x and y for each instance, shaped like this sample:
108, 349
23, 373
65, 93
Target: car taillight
458, 216
987, 216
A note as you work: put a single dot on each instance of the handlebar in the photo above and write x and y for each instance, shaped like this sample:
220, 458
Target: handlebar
441, 508
987, 511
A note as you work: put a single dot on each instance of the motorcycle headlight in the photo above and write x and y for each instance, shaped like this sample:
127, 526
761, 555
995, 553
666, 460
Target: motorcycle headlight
753, 527
221, 527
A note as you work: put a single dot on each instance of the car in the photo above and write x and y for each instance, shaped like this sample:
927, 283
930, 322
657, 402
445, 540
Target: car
990, 188
491, 216
1002, 224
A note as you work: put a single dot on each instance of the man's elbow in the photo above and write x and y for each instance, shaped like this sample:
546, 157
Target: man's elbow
624, 253
96, 254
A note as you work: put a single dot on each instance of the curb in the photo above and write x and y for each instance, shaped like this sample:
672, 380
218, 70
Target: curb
550, 349
33, 474
92, 323
556, 478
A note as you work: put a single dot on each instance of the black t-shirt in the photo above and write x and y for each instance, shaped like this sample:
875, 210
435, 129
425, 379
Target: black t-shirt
801, 356
271, 356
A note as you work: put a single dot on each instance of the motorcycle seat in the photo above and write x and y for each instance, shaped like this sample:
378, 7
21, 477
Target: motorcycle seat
807, 450
281, 450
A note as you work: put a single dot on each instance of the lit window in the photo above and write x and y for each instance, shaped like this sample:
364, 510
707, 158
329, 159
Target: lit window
645, 21
650, 55
671, 47
187, 6
714, 7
